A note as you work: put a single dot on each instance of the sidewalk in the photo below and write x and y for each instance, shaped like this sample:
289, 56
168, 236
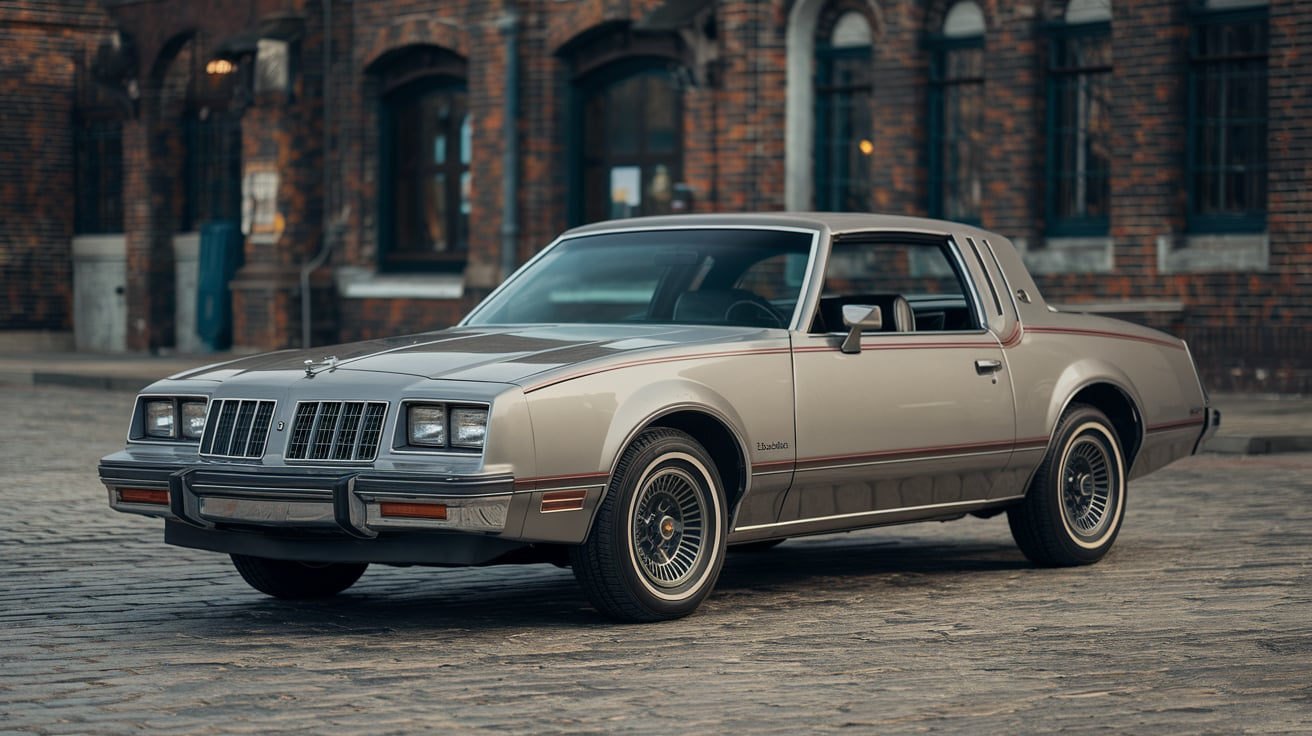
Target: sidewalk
1250, 424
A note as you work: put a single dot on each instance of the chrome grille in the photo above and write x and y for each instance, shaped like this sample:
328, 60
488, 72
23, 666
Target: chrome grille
336, 430
237, 428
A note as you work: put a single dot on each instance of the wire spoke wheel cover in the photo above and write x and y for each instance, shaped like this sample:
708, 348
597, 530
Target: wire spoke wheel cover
668, 521
1076, 501
658, 542
1086, 491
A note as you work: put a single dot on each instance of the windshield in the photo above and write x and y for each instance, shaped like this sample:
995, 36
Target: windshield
749, 278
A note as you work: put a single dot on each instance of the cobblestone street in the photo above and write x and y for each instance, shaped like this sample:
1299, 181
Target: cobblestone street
1200, 621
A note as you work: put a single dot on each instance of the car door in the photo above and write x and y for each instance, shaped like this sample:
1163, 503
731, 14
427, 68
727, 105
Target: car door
920, 422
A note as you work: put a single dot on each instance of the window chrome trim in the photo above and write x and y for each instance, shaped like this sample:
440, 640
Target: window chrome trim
619, 230
878, 512
964, 270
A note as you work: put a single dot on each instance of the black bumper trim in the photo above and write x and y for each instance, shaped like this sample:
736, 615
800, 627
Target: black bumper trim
429, 548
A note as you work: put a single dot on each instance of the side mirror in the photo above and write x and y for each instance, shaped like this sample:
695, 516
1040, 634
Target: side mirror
860, 318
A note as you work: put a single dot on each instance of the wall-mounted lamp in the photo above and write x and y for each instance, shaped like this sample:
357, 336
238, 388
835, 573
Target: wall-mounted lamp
220, 66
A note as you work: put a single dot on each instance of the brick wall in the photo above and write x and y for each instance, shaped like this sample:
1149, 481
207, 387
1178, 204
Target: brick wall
43, 45
1249, 328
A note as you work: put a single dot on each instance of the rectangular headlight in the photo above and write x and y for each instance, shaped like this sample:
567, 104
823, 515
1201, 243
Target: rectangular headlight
193, 419
468, 426
426, 425
161, 418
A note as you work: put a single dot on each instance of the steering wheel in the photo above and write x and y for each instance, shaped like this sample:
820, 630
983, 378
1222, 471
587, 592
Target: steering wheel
752, 310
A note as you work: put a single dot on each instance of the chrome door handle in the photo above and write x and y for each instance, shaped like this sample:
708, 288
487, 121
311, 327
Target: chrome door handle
985, 367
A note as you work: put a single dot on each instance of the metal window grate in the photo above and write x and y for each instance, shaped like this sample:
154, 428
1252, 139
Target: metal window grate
237, 428
336, 430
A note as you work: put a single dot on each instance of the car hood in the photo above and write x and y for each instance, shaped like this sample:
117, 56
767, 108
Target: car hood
509, 354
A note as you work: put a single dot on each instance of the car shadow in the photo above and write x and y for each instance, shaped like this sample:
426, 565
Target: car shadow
388, 601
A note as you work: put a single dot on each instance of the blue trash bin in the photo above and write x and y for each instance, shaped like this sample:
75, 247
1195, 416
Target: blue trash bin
221, 244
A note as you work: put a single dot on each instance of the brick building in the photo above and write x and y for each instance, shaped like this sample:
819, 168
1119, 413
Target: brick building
1150, 157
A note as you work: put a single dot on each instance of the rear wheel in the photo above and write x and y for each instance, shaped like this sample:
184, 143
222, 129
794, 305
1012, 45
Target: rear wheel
657, 545
292, 579
1076, 502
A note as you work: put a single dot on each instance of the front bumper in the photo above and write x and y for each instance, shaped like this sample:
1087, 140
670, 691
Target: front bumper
226, 504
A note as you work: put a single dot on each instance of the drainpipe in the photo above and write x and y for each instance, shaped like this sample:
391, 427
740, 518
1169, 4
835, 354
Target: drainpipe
325, 237
509, 25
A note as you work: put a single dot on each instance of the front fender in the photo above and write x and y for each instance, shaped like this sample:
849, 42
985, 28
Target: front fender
586, 432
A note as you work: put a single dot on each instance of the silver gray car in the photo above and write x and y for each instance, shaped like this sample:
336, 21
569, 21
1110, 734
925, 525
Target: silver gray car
645, 394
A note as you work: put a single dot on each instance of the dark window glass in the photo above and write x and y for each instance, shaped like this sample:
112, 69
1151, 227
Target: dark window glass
1079, 107
843, 122
749, 278
428, 149
1228, 121
99, 170
883, 272
956, 136
632, 145
213, 166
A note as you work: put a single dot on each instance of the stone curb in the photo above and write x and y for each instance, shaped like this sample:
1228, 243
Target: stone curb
77, 380
1259, 444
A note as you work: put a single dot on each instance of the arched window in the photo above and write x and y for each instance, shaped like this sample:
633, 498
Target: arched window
202, 93
425, 150
1079, 124
843, 124
632, 143
956, 115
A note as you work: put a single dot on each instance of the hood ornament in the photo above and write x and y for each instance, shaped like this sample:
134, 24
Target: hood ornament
328, 363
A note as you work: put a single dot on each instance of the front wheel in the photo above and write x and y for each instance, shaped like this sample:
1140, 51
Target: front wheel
291, 579
657, 545
1076, 501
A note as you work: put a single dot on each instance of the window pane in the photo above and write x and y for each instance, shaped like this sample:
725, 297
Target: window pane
631, 146
466, 139
625, 191
956, 138
876, 273
662, 125
644, 276
1079, 120
435, 222
622, 123
1228, 70
843, 128
430, 155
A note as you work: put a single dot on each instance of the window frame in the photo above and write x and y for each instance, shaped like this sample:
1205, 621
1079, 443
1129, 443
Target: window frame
837, 185
1058, 225
940, 46
953, 258
601, 82
831, 190
414, 91
1202, 69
